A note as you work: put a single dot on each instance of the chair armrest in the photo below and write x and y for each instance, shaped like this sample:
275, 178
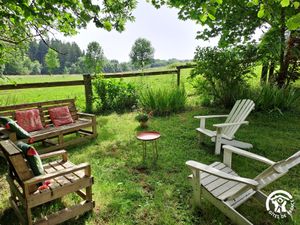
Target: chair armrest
219, 173
63, 172
62, 153
209, 116
230, 149
221, 125
81, 114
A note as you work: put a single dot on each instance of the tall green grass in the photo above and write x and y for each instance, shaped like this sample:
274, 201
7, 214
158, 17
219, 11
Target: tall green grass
270, 97
163, 102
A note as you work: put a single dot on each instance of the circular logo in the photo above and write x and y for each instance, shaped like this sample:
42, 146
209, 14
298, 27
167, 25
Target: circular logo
280, 204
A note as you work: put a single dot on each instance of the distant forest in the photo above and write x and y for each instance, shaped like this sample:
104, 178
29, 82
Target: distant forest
71, 60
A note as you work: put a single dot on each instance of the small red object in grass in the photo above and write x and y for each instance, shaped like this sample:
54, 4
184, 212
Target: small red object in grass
148, 135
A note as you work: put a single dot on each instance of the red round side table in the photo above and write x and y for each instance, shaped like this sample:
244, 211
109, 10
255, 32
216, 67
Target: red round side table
149, 136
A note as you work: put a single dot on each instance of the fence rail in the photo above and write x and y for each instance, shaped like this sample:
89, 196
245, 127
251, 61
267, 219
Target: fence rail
87, 81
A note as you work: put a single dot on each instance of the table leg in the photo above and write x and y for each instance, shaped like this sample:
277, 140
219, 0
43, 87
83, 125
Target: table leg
156, 151
144, 150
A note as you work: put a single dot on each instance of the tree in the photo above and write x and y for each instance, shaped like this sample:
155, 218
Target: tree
236, 21
23, 20
94, 57
142, 53
51, 60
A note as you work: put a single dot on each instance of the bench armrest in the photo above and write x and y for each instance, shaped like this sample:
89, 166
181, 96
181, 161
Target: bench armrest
81, 114
62, 153
41, 178
213, 171
230, 149
209, 116
221, 125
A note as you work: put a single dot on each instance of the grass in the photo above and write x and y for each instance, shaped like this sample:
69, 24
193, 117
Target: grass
129, 191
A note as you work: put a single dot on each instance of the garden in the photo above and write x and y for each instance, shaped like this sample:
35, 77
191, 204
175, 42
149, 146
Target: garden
128, 190
212, 140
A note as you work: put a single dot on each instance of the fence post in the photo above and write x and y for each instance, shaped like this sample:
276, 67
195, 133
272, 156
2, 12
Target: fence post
87, 80
178, 76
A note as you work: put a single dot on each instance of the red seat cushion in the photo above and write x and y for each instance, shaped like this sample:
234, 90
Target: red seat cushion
29, 120
60, 116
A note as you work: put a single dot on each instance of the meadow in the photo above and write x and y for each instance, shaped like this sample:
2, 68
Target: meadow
130, 191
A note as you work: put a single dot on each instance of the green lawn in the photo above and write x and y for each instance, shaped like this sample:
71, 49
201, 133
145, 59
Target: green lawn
128, 191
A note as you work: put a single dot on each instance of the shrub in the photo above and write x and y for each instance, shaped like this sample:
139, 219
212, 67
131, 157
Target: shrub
224, 72
163, 102
270, 97
142, 117
114, 95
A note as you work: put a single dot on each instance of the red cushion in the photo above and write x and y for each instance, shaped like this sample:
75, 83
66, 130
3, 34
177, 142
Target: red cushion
29, 120
60, 116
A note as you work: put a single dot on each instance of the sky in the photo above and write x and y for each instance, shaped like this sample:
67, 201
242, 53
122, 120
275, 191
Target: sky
170, 37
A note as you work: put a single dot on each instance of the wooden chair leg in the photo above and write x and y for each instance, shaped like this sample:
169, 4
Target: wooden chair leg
29, 215
200, 138
88, 196
218, 145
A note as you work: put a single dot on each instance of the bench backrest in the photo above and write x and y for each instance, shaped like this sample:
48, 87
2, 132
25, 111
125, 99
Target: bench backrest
239, 113
9, 111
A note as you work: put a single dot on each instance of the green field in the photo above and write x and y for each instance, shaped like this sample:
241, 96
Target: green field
128, 191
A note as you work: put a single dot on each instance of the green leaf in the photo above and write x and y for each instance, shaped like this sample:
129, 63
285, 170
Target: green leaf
219, 2
255, 2
293, 23
296, 5
261, 11
212, 17
203, 17
107, 25
285, 3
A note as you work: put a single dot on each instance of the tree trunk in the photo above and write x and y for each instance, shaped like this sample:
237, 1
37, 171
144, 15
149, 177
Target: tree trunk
271, 72
283, 72
281, 78
264, 73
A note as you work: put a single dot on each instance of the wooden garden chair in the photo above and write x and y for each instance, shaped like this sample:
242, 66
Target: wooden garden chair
226, 190
65, 178
224, 133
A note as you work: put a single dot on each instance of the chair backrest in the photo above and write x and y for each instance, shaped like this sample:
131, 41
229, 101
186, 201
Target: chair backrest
9, 111
277, 170
18, 167
239, 113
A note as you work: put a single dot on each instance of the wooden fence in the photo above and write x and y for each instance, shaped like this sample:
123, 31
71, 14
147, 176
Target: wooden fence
87, 81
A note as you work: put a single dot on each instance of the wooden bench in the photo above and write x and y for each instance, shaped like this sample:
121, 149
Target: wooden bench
53, 138
65, 178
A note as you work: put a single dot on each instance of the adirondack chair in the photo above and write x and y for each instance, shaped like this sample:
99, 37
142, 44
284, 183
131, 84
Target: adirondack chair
65, 178
226, 190
224, 133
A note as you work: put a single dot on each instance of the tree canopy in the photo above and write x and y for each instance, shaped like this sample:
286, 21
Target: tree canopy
94, 57
51, 60
142, 53
24, 19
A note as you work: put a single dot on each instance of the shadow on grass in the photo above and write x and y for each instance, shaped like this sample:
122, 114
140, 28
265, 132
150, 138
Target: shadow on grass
3, 166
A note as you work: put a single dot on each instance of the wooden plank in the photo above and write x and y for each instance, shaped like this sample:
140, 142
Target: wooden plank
211, 178
60, 191
226, 209
221, 189
66, 214
139, 73
34, 104
41, 85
